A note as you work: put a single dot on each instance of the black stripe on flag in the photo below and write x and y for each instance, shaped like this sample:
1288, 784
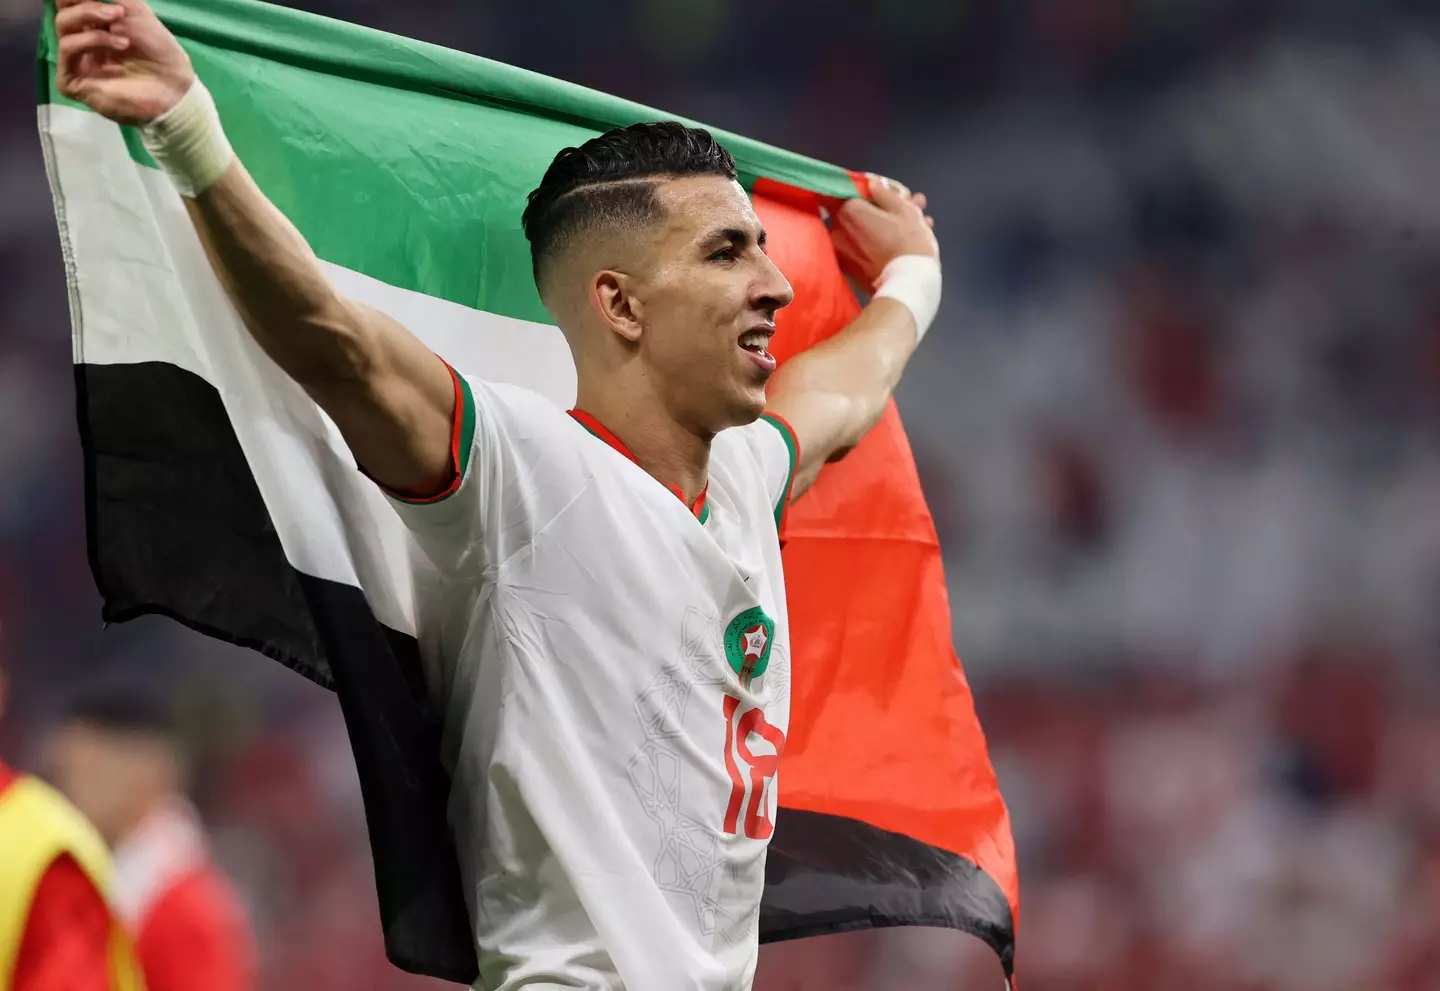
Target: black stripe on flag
829, 874
177, 527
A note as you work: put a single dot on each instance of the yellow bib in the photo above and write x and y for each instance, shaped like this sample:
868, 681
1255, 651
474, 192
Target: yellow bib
37, 825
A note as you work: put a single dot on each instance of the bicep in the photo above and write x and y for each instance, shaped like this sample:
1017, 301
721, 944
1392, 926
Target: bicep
820, 418
396, 417
390, 397
503, 484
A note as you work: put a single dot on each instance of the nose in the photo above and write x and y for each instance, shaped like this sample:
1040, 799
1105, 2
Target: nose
772, 289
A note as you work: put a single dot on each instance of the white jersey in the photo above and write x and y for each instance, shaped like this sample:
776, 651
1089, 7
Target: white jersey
614, 671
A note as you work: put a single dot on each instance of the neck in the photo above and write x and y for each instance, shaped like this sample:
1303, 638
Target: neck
671, 452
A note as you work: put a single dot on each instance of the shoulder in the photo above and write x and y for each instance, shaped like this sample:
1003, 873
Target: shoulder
66, 896
767, 446
512, 415
763, 439
202, 899
759, 460
511, 402
51, 846
67, 931
751, 441
744, 456
45, 820
509, 396
197, 926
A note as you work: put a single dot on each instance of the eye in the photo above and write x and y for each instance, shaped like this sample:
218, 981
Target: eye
726, 254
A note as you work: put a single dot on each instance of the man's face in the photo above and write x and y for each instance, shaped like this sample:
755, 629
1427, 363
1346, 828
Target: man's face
112, 777
709, 298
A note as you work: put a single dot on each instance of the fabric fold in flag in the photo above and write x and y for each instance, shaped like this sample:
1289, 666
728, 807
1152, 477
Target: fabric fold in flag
218, 494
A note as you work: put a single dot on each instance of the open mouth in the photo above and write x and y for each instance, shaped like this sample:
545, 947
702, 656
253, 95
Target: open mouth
757, 342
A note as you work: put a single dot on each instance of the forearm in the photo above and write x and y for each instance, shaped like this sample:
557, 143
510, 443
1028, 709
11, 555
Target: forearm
271, 275
389, 395
855, 371
278, 285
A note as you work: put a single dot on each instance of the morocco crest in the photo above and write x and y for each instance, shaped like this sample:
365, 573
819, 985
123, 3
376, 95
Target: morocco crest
747, 644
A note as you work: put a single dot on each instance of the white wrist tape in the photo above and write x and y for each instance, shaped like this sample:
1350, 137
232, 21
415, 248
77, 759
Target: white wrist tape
188, 142
915, 281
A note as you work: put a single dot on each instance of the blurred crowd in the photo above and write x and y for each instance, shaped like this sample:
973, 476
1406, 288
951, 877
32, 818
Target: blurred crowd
1178, 421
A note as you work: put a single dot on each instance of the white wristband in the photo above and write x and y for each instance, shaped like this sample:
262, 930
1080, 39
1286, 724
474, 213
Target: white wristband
915, 281
188, 142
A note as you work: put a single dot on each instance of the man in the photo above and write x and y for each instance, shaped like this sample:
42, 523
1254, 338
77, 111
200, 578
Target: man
599, 597
118, 761
57, 933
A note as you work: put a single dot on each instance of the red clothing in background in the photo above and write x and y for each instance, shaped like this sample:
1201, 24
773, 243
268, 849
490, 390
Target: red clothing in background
196, 936
190, 929
66, 943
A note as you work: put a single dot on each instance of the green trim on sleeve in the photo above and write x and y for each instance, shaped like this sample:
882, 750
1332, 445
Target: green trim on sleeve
467, 427
792, 444
462, 439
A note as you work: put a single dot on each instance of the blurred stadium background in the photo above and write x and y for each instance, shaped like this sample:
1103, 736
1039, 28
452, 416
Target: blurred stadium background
1178, 425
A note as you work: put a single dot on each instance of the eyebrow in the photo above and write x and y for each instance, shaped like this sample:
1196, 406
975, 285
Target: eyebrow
736, 235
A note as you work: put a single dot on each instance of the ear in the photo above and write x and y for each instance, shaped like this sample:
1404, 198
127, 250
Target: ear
612, 296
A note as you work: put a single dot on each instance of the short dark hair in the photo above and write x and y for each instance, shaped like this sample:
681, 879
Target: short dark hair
612, 179
122, 709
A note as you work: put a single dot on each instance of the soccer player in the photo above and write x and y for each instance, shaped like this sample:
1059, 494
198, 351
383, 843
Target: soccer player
116, 757
599, 596
57, 932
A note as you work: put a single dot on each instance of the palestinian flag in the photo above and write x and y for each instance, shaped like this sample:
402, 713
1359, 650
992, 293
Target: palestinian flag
219, 495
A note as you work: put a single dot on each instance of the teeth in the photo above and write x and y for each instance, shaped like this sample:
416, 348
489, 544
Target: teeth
754, 339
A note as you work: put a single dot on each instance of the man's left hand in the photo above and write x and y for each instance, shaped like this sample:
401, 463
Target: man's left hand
869, 233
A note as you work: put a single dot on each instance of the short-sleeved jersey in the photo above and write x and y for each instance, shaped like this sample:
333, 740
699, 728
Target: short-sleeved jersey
614, 670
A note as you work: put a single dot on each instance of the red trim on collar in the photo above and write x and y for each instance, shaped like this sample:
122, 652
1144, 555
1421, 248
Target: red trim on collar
599, 430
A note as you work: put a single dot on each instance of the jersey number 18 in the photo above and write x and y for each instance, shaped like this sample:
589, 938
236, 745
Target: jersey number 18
761, 768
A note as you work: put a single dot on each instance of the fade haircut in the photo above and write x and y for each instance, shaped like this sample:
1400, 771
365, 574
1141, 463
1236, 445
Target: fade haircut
611, 180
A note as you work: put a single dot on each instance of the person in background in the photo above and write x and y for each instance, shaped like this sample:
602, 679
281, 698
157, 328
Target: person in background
57, 932
117, 758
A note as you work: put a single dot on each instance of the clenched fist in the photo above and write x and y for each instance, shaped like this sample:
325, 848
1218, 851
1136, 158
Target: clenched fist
119, 60
868, 234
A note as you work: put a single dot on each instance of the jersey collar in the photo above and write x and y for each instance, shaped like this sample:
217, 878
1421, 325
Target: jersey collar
700, 507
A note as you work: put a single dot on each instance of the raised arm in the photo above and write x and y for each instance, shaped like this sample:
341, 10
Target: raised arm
834, 392
392, 399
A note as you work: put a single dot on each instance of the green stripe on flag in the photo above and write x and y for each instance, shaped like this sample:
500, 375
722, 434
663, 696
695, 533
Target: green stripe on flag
404, 161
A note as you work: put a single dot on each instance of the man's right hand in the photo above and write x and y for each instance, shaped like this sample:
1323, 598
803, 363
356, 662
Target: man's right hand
119, 60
